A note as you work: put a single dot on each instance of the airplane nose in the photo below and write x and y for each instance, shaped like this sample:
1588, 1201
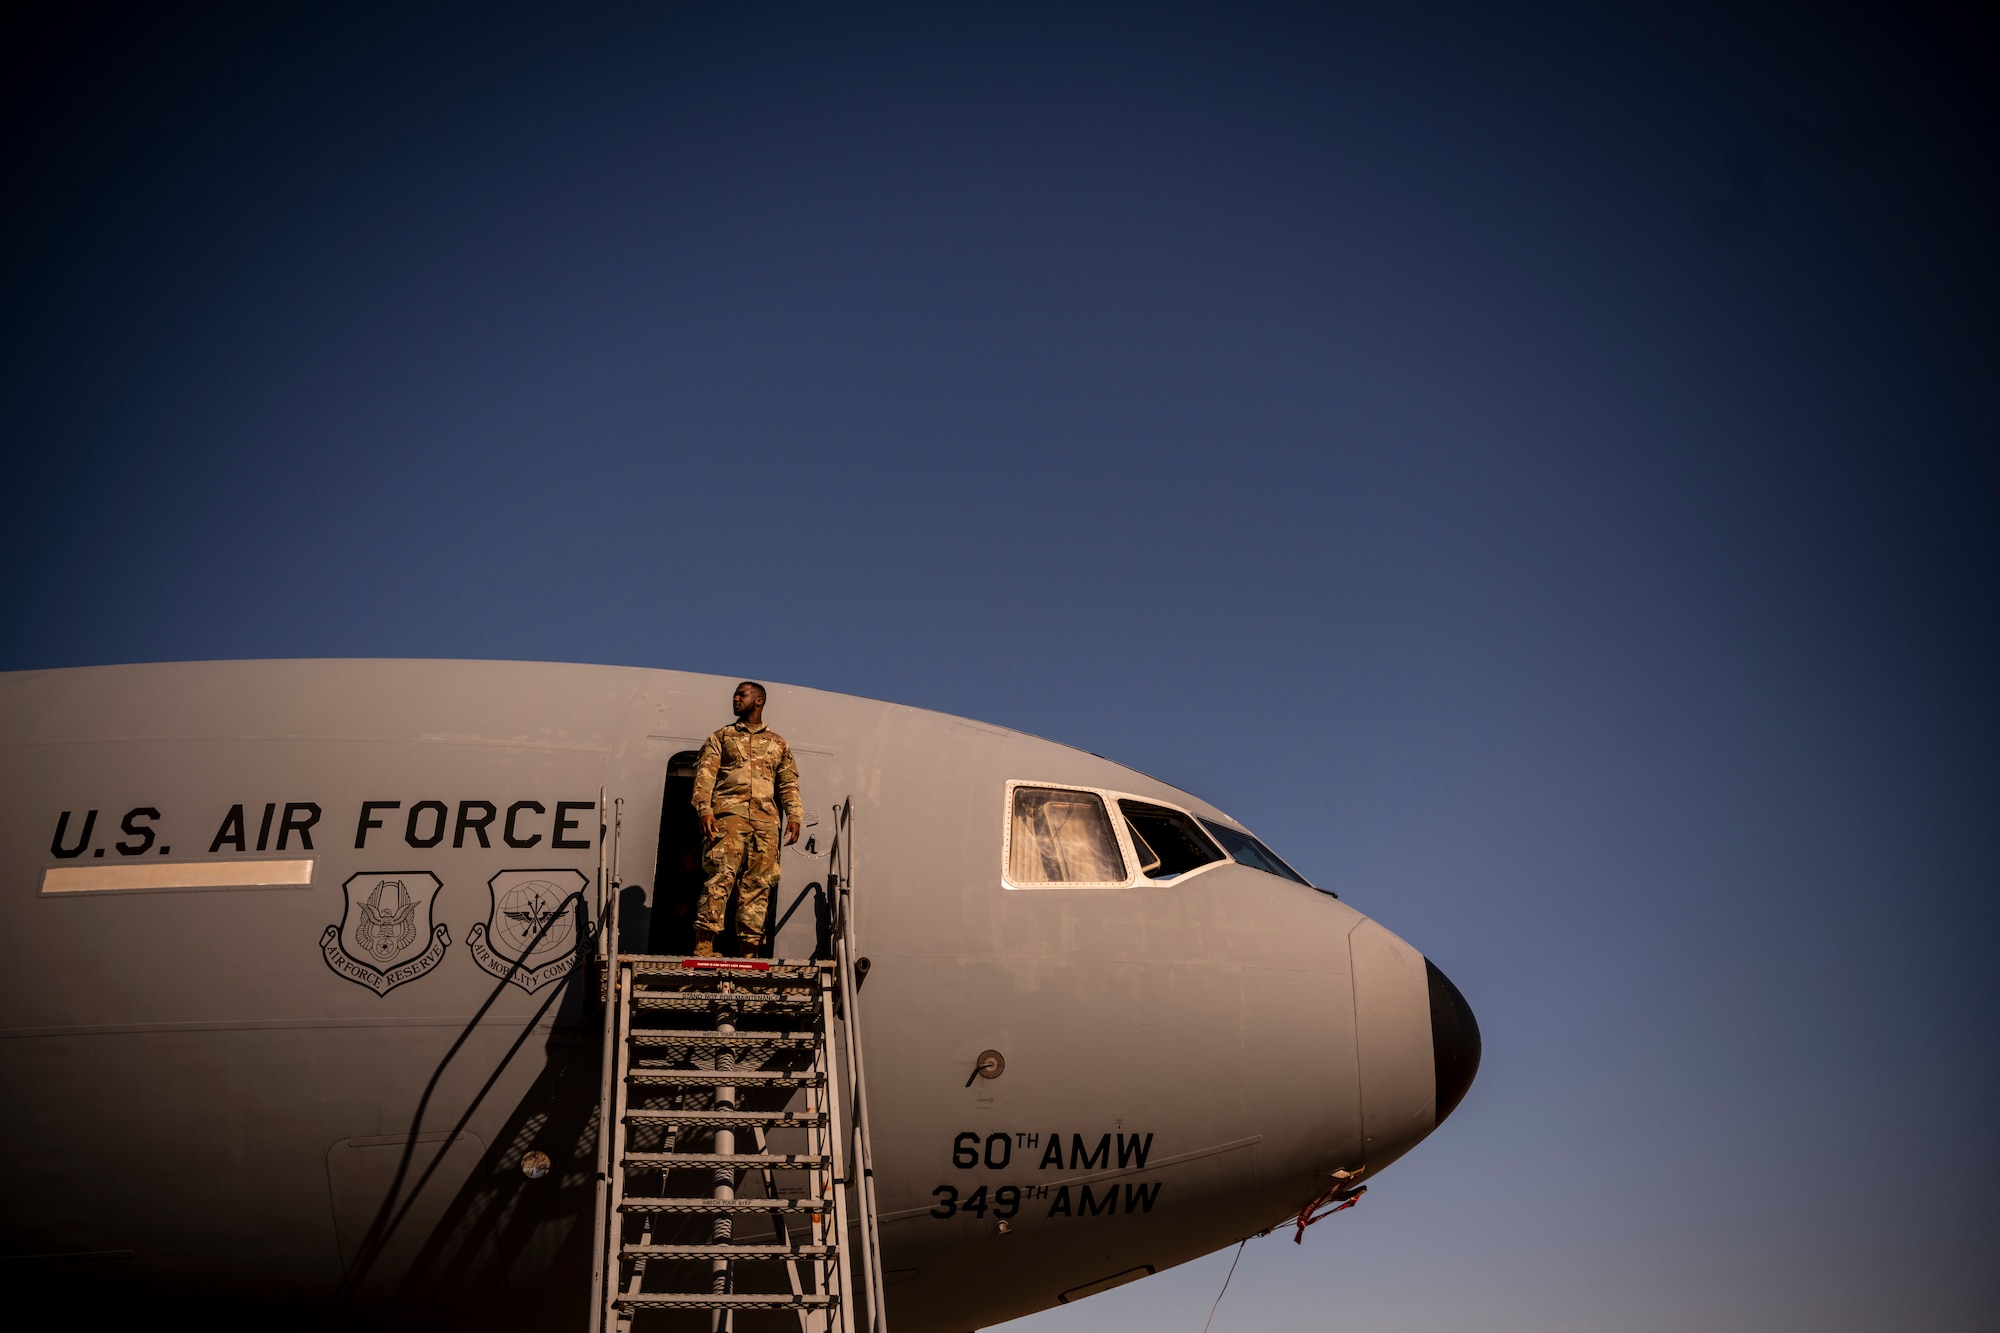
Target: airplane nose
1454, 1041
1415, 1040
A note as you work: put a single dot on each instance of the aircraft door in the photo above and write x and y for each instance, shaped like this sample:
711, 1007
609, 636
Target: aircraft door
677, 878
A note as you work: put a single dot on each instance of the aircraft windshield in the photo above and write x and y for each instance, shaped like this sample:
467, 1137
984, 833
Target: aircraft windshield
1062, 837
1246, 850
1174, 842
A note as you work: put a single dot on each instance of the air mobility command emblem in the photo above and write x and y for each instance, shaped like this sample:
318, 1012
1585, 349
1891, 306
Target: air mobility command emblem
385, 936
530, 935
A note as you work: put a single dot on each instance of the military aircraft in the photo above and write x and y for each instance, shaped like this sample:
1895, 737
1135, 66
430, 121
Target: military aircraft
285, 943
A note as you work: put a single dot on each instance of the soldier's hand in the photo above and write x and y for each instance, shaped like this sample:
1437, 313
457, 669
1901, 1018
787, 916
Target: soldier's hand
708, 827
792, 834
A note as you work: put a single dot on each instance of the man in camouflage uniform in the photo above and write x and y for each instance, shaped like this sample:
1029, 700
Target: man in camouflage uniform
744, 775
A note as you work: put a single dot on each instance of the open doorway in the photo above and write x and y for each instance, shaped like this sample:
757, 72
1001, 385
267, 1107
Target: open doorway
677, 874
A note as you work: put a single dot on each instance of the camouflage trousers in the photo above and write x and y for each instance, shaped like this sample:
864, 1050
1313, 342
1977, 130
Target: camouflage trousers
743, 858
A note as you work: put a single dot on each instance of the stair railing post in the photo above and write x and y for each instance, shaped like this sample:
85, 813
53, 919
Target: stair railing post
605, 1230
862, 1168
834, 1223
603, 867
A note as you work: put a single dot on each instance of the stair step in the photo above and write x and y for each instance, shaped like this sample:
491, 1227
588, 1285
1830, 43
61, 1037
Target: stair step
703, 1300
668, 1204
654, 1161
726, 969
628, 956
726, 1252
723, 1078
725, 1119
704, 1000
678, 1037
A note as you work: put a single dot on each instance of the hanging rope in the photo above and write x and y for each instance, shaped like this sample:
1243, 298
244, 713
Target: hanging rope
1225, 1285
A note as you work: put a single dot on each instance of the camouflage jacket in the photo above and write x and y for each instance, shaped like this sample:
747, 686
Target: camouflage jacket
747, 771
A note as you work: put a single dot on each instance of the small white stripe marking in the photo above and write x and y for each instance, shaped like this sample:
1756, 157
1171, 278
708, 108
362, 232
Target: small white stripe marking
178, 875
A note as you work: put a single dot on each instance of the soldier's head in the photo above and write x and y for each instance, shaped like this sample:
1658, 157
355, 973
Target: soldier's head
748, 702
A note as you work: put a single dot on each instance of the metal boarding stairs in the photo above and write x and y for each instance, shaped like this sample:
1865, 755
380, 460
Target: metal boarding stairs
734, 1186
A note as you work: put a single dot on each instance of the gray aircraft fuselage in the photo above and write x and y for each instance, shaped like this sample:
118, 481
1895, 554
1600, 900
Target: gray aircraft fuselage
250, 916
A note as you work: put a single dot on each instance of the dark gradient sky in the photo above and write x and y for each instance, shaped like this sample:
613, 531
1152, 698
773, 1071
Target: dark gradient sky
1539, 471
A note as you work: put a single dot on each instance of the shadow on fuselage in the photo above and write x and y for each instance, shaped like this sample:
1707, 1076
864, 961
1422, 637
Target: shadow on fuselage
510, 1251
507, 1252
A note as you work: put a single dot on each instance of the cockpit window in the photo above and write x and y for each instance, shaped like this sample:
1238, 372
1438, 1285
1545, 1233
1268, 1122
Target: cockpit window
1062, 837
1246, 850
1168, 839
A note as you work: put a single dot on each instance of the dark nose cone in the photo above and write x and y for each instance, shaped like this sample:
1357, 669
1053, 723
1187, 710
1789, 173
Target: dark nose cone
1454, 1041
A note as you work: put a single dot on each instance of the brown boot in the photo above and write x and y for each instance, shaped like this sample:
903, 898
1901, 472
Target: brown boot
704, 944
749, 946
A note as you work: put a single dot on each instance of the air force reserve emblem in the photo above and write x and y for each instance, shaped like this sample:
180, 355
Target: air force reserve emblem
530, 936
385, 936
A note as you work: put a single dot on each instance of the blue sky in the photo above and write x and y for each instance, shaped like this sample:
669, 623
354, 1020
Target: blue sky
1537, 470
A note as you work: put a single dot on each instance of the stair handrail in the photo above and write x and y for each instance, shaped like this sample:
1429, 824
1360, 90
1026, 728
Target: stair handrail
862, 1166
604, 972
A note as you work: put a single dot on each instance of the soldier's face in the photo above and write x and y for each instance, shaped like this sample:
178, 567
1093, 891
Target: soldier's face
744, 700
